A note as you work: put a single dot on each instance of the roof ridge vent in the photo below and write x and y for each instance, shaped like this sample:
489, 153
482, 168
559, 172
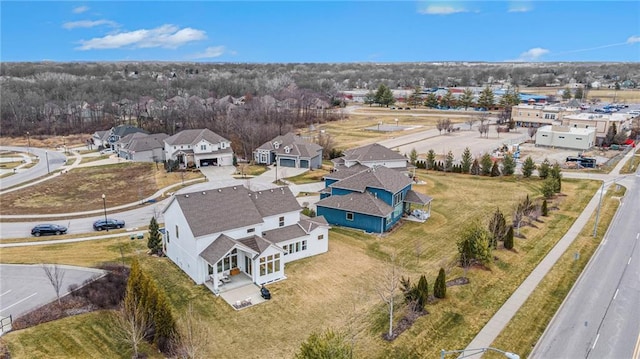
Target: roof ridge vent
203, 192
220, 190
234, 187
186, 196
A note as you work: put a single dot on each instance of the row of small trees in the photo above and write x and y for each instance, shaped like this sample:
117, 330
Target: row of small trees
484, 166
146, 314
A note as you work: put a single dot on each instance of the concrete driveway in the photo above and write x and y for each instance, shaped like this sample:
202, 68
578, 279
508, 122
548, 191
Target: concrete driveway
26, 287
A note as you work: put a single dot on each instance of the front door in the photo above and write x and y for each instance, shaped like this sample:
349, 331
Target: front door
247, 266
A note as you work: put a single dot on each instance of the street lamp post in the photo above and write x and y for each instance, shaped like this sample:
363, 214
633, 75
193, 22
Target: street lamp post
396, 121
46, 155
104, 206
28, 143
462, 353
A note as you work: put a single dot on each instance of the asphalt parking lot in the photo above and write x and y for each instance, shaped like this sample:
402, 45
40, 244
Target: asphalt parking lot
24, 288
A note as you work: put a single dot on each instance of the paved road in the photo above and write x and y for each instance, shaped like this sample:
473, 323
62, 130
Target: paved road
56, 160
600, 318
26, 287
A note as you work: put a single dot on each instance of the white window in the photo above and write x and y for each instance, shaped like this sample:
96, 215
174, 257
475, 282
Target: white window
320, 237
177, 232
228, 262
251, 230
270, 264
276, 145
223, 145
281, 221
287, 149
203, 147
349, 216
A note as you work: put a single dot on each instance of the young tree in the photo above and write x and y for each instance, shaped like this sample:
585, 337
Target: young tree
544, 168
325, 345
508, 164
422, 291
508, 239
545, 208
470, 121
431, 160
473, 244
165, 325
415, 98
486, 98
466, 100
447, 100
443, 124
431, 100
532, 132
194, 335
440, 286
55, 274
413, 156
528, 167
154, 243
132, 326
566, 94
448, 162
497, 228
579, 93
485, 164
556, 174
475, 168
388, 287
466, 160
548, 187
370, 98
495, 169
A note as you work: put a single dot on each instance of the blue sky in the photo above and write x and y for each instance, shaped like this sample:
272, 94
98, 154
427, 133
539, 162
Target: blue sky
320, 31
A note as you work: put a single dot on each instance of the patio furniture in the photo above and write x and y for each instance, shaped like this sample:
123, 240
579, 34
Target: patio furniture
225, 279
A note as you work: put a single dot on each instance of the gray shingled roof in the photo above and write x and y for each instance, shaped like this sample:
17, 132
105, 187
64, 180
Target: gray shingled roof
221, 246
364, 203
141, 142
218, 249
218, 210
372, 152
342, 172
311, 223
377, 177
417, 197
274, 201
191, 137
124, 130
222, 209
297, 145
284, 233
256, 243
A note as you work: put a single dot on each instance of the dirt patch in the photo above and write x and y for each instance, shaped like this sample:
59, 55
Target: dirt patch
82, 189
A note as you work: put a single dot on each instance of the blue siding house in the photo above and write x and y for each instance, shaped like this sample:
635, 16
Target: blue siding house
372, 199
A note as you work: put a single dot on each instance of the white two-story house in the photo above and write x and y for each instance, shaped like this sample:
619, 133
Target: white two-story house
199, 147
234, 231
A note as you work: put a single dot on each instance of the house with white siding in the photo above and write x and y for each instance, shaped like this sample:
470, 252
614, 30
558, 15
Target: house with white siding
233, 231
198, 147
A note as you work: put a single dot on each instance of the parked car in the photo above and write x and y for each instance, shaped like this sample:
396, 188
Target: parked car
264, 293
107, 151
46, 229
109, 223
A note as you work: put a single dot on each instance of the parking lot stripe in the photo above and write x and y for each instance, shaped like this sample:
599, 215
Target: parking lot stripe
6, 292
18, 302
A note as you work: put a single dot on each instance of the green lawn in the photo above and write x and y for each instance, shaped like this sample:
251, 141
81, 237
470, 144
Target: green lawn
338, 289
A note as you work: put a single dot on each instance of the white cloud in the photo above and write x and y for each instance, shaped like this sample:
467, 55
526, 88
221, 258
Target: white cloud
520, 6
166, 36
532, 54
210, 52
80, 9
441, 7
633, 39
88, 23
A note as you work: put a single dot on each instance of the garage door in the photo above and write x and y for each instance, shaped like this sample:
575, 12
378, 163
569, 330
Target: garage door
287, 162
304, 164
209, 162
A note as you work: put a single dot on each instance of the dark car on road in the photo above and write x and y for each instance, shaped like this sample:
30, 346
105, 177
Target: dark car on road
107, 224
47, 229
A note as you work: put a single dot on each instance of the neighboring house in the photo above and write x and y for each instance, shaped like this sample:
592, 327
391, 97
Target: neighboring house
578, 138
371, 156
233, 230
119, 132
141, 147
289, 151
371, 199
199, 147
100, 138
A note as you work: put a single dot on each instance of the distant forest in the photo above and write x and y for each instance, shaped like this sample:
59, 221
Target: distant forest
250, 103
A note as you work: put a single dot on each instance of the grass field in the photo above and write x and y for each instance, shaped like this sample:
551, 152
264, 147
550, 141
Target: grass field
82, 189
338, 289
631, 165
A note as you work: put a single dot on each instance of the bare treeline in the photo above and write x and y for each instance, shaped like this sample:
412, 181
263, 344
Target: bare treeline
249, 103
